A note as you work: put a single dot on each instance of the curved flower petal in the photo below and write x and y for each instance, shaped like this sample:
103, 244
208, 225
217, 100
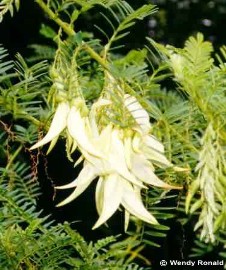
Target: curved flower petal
88, 172
58, 124
99, 194
110, 203
128, 151
136, 143
144, 171
156, 157
152, 142
52, 144
83, 181
126, 222
133, 204
138, 112
118, 161
78, 161
77, 129
71, 144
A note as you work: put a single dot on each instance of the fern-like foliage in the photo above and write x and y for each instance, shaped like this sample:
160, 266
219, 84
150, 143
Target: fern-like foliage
4, 65
72, 9
203, 83
148, 235
123, 16
18, 98
41, 52
8, 6
202, 250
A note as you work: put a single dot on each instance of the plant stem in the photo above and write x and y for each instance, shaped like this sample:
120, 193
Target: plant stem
32, 119
70, 32
65, 26
16, 153
96, 56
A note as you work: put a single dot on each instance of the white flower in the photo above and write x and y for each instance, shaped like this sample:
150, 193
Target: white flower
113, 191
114, 178
77, 128
142, 142
126, 165
117, 184
139, 114
113, 162
58, 124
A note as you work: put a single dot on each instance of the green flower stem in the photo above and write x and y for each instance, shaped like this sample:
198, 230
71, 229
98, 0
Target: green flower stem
32, 119
70, 32
12, 158
96, 56
65, 26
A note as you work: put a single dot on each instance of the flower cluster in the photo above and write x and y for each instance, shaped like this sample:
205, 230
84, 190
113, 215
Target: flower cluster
123, 159
72, 119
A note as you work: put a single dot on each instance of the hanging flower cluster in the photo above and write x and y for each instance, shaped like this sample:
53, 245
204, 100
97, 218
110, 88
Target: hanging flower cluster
116, 148
74, 120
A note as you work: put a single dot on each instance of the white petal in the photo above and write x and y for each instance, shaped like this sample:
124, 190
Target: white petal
78, 161
74, 146
136, 142
112, 194
133, 204
93, 124
102, 165
99, 194
118, 160
52, 144
143, 170
152, 142
126, 222
77, 129
104, 141
82, 184
128, 151
156, 157
58, 124
88, 172
69, 141
71, 144
138, 112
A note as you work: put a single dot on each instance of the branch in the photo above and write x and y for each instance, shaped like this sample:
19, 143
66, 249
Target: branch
65, 26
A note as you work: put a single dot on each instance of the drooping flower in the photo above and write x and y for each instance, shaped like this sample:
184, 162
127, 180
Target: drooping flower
70, 118
125, 194
125, 167
114, 178
58, 124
